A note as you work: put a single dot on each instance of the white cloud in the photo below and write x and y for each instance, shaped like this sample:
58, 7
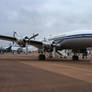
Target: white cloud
47, 17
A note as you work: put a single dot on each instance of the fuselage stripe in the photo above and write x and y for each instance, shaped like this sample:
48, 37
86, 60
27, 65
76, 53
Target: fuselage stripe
71, 36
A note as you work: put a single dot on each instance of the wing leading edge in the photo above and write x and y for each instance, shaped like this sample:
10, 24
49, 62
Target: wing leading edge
37, 44
8, 38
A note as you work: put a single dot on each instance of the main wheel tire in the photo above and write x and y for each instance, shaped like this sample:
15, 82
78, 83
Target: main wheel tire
42, 57
75, 58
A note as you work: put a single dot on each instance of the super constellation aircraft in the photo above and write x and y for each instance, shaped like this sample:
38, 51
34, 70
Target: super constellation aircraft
75, 40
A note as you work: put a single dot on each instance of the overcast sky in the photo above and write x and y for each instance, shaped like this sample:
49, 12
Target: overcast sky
46, 17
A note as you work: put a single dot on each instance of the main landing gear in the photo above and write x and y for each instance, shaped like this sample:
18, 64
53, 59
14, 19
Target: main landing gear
75, 58
42, 57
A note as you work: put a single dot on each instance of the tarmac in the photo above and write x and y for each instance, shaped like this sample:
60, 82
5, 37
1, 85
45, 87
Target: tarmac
24, 73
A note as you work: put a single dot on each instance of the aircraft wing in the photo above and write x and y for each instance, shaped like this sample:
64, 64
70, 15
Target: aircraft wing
37, 44
8, 38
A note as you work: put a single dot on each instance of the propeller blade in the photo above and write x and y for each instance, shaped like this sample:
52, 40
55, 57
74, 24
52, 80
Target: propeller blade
33, 36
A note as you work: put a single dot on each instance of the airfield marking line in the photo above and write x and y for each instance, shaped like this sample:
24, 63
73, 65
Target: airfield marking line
72, 67
67, 66
67, 71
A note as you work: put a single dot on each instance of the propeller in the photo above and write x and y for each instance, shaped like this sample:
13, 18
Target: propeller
34, 35
27, 39
14, 35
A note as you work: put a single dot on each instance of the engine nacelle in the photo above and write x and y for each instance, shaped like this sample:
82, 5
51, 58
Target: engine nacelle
21, 43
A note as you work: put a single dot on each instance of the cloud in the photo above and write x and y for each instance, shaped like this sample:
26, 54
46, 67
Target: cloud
47, 17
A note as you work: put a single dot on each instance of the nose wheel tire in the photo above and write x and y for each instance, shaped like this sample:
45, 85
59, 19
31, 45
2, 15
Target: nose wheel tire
42, 57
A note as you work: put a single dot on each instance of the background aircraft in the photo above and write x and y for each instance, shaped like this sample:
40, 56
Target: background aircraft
6, 50
77, 41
